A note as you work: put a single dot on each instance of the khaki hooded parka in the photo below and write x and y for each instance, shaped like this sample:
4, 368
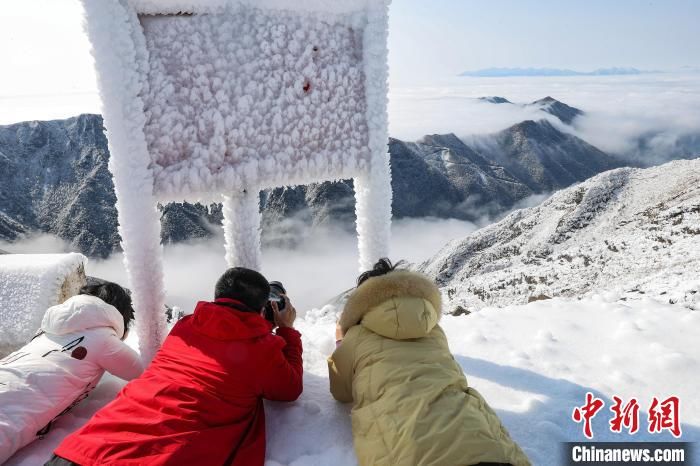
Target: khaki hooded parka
411, 401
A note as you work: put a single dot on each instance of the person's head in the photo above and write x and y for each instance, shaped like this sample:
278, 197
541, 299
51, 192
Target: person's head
115, 295
244, 285
382, 267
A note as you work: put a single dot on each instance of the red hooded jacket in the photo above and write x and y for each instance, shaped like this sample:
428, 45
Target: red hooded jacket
200, 400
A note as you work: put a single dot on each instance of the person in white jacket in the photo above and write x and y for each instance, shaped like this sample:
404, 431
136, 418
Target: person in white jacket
78, 340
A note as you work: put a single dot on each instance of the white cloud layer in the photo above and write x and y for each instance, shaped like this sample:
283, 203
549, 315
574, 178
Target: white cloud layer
619, 109
321, 267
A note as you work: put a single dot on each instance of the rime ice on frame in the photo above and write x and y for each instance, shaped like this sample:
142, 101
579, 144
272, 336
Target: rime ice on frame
211, 98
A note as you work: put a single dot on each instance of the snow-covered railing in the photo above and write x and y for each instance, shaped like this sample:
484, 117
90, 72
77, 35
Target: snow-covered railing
30, 284
214, 100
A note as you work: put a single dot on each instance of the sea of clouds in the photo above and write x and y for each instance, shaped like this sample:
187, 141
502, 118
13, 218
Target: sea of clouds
618, 109
323, 265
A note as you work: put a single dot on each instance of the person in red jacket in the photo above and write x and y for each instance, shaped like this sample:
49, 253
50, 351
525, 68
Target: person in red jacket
201, 399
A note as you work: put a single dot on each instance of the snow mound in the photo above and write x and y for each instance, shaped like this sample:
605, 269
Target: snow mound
30, 284
630, 231
533, 363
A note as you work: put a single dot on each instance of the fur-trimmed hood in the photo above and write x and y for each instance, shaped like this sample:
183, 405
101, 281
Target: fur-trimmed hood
401, 304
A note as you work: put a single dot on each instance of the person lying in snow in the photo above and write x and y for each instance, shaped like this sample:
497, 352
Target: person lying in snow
201, 399
77, 342
412, 404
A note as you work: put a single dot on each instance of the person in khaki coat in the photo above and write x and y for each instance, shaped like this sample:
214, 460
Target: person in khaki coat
411, 401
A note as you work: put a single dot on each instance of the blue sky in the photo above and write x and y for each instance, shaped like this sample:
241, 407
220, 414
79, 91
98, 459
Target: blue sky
432, 39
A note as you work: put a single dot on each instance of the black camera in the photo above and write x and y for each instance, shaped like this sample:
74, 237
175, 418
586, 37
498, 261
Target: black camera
276, 294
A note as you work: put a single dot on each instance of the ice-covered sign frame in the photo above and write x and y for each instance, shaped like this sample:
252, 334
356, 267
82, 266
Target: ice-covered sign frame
210, 98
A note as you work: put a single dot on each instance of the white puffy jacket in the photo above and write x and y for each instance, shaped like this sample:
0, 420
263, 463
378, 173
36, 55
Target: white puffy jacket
81, 339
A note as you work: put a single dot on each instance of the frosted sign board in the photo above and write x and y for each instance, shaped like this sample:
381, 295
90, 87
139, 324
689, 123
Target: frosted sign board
252, 98
214, 100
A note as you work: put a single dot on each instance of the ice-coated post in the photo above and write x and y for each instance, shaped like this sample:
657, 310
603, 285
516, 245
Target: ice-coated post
373, 209
242, 229
373, 188
139, 220
144, 265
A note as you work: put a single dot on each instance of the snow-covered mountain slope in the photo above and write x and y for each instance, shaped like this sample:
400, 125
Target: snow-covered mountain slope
442, 176
636, 231
542, 157
533, 363
473, 179
54, 179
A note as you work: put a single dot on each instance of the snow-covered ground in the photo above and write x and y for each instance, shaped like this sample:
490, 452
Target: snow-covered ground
534, 363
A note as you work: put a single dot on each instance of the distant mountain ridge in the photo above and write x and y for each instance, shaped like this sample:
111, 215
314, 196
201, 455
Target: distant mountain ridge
442, 176
515, 72
565, 113
54, 179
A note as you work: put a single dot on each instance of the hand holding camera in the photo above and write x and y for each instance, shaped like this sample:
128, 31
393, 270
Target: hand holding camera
279, 310
286, 317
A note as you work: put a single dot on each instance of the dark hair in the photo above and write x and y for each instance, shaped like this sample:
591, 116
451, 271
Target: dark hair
244, 285
113, 294
382, 267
